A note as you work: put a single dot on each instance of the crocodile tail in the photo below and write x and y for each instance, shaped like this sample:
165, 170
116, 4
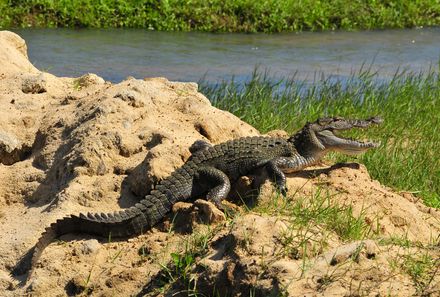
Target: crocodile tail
28, 260
45, 239
129, 222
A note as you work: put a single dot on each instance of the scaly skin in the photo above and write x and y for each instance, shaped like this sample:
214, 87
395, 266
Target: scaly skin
209, 172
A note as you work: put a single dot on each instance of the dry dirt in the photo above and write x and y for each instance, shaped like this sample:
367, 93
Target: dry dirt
70, 145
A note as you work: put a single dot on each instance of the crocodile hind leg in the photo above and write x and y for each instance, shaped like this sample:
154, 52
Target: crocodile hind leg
218, 184
198, 146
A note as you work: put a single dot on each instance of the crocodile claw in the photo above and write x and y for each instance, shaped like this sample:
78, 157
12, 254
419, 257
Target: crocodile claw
283, 191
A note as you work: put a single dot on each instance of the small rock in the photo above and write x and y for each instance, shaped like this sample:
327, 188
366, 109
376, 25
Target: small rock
187, 215
11, 149
371, 249
89, 79
34, 84
398, 221
352, 250
246, 188
131, 97
182, 207
90, 246
8, 143
184, 217
208, 212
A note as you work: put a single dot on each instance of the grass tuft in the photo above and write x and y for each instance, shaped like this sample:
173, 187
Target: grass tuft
178, 272
422, 269
319, 210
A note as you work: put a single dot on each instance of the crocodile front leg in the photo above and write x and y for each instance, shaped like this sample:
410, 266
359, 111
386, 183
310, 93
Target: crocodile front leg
278, 166
218, 184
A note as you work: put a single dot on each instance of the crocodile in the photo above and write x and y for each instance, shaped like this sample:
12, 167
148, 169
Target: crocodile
209, 172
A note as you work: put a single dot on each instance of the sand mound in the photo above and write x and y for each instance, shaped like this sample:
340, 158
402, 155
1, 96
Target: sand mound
298, 247
70, 145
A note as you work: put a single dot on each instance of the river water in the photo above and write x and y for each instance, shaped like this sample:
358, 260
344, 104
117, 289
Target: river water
115, 54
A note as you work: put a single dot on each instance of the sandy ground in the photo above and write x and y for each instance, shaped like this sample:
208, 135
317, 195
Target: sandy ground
70, 145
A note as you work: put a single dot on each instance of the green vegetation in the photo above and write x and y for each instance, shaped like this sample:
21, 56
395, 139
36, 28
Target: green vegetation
408, 159
422, 268
306, 213
221, 16
178, 272
312, 221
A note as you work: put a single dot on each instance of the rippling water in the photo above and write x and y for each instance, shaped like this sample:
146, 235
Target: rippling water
117, 53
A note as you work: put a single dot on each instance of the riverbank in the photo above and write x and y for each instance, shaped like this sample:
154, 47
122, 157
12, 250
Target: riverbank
221, 16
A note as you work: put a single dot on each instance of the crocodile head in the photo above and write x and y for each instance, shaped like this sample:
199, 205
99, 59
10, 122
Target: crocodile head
322, 136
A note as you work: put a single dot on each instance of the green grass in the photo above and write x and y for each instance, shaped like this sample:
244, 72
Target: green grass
178, 272
408, 158
221, 16
311, 220
313, 224
319, 210
422, 269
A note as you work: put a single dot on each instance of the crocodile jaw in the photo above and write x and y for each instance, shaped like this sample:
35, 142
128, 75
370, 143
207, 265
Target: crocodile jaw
332, 142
